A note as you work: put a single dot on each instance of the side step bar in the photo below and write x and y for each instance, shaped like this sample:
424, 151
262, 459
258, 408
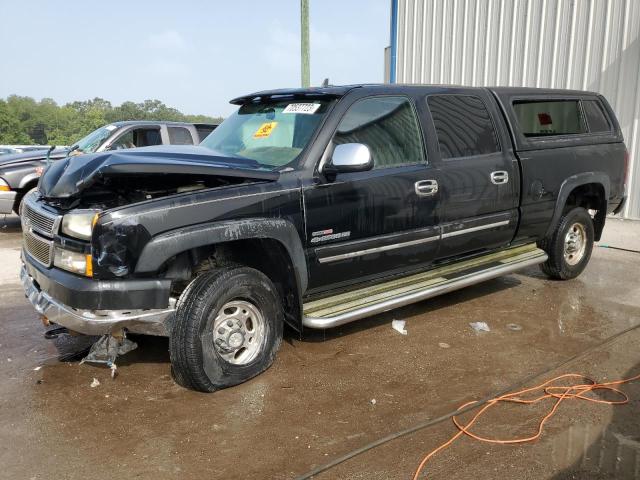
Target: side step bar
347, 307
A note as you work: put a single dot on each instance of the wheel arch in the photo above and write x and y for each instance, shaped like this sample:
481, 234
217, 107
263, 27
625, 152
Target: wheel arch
27, 183
589, 190
272, 246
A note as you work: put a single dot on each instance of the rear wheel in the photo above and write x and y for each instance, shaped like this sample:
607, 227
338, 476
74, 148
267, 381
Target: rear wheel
228, 328
570, 245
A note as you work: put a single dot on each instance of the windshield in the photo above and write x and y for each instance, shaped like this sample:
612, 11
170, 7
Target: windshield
91, 142
273, 134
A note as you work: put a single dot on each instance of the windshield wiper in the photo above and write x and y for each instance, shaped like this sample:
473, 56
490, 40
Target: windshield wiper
73, 149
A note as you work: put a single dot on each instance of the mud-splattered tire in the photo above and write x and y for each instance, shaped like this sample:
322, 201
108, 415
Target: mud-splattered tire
570, 245
228, 329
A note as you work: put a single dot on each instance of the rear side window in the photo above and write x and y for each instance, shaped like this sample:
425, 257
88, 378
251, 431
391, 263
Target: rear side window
179, 136
595, 116
463, 126
388, 126
204, 130
549, 118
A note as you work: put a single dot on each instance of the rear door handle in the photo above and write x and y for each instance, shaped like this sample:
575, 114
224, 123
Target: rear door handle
426, 188
499, 177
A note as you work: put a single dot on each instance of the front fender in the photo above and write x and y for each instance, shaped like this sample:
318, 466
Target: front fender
29, 178
164, 246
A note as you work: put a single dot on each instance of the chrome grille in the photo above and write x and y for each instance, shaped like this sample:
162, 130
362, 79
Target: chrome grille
38, 247
38, 219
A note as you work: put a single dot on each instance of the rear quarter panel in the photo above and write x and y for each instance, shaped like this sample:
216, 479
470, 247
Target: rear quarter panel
545, 171
546, 164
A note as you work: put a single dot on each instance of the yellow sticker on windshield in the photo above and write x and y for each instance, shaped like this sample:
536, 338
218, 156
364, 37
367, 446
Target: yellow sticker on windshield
265, 130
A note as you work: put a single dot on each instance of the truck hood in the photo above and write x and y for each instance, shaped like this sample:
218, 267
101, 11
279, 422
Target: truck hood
68, 177
17, 158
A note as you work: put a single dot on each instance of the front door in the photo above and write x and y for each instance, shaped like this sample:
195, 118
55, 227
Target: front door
479, 177
366, 224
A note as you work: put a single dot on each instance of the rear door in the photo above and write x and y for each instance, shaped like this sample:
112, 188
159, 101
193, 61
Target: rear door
479, 177
362, 225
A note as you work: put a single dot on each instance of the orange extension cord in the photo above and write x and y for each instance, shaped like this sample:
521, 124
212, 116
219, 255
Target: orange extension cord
545, 391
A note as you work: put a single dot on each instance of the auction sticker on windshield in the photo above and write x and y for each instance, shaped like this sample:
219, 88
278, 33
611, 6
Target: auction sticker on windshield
306, 108
265, 130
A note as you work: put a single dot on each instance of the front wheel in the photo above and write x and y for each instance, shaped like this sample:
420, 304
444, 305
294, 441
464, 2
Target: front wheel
228, 329
570, 245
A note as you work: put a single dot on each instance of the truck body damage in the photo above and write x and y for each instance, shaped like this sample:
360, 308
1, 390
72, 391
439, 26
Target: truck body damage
315, 208
117, 178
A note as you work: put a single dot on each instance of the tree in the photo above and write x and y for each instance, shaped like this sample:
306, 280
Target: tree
23, 120
11, 131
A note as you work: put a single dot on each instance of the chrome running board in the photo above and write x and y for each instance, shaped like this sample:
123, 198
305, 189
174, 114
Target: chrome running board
347, 307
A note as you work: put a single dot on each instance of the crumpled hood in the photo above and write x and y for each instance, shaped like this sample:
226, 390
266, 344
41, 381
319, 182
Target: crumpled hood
68, 177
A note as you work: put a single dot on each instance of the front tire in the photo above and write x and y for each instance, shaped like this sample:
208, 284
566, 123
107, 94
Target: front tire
228, 329
570, 245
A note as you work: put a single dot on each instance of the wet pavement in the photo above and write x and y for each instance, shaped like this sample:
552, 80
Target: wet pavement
336, 391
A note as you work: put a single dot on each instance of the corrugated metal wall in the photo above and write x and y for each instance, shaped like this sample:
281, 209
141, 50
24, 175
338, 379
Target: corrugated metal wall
581, 44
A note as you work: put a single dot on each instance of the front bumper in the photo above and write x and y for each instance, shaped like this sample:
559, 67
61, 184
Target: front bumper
7, 200
96, 322
93, 294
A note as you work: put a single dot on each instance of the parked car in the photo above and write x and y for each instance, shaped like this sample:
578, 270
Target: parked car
8, 149
317, 207
19, 173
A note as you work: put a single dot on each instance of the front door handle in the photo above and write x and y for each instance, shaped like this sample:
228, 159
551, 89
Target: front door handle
499, 177
426, 188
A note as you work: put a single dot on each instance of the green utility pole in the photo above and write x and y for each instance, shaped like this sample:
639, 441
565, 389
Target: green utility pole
304, 42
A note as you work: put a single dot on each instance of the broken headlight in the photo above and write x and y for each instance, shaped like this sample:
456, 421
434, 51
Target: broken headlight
73, 261
79, 223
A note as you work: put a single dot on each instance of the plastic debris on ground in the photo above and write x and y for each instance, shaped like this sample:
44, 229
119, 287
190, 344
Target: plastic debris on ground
444, 345
480, 326
95, 383
72, 348
398, 326
107, 349
514, 327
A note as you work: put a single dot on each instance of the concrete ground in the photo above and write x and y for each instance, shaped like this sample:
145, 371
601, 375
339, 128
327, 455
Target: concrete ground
334, 392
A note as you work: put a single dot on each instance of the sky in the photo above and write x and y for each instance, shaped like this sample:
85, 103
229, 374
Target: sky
192, 55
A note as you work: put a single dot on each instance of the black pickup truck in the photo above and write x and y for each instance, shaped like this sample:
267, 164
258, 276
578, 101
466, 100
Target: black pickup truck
20, 172
317, 207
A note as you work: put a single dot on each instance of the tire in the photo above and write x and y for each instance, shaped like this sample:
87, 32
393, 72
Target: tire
228, 328
570, 245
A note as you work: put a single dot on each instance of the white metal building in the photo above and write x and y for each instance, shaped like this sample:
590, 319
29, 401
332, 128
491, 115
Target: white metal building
578, 44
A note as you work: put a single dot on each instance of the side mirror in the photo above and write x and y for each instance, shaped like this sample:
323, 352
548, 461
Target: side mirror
350, 157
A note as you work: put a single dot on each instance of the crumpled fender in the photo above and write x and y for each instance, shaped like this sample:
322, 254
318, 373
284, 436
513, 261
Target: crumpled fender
164, 246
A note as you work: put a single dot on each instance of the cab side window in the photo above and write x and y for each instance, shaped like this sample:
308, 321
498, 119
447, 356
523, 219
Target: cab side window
388, 126
463, 126
138, 137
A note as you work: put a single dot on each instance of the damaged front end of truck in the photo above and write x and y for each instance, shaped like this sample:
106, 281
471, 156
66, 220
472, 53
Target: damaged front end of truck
86, 226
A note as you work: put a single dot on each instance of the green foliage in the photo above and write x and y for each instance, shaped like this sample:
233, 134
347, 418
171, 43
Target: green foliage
25, 121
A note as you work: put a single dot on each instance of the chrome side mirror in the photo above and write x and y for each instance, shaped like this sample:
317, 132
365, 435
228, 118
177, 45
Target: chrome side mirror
350, 157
